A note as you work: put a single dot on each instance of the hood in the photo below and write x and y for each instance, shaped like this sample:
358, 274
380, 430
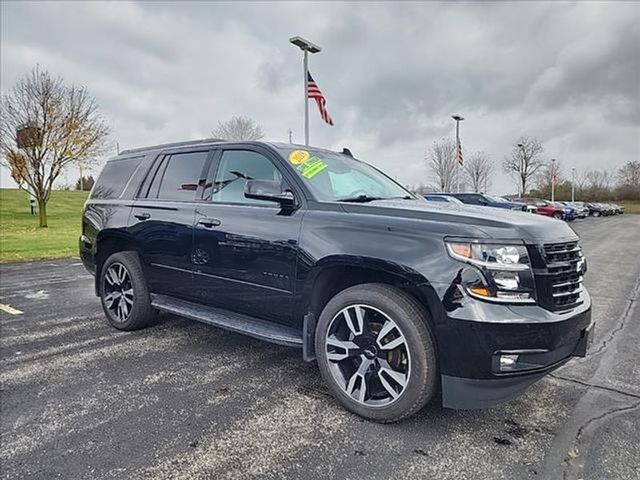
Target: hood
492, 222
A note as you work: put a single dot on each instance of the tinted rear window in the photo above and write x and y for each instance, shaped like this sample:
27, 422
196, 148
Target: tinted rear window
180, 178
114, 177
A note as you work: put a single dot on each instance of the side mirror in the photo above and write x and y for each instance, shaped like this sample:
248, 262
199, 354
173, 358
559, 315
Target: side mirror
270, 191
483, 202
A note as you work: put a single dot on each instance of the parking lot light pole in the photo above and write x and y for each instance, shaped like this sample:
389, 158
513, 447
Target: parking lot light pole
521, 146
458, 119
553, 179
307, 47
573, 184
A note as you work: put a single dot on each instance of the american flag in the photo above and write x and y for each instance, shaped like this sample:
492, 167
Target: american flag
460, 159
314, 92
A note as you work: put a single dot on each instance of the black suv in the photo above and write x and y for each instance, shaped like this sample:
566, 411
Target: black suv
398, 299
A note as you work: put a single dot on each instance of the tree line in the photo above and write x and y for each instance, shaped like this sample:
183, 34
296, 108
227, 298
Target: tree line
530, 171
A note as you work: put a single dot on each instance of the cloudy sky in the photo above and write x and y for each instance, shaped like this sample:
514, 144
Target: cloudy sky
393, 73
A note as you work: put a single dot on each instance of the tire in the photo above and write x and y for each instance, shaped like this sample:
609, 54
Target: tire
378, 367
557, 215
596, 214
124, 293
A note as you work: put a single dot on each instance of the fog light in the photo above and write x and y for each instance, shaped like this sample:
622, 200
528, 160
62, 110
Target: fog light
508, 362
506, 280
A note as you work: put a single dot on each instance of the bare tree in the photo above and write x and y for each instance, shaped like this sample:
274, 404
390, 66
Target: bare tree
45, 127
599, 179
581, 179
525, 161
546, 175
441, 160
478, 168
238, 129
629, 180
629, 174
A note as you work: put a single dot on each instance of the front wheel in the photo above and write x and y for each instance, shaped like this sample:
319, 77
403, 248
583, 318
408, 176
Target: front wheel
376, 353
124, 293
557, 215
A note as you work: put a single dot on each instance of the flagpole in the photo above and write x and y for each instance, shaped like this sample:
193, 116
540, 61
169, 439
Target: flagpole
458, 119
306, 97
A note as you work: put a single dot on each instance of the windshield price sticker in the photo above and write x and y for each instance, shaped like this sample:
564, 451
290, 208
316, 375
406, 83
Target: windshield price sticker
311, 167
298, 156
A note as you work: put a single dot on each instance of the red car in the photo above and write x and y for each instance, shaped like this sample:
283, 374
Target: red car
544, 208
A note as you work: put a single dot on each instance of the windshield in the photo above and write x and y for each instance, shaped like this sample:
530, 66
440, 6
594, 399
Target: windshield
334, 177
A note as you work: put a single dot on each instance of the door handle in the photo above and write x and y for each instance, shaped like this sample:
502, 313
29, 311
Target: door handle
142, 216
209, 222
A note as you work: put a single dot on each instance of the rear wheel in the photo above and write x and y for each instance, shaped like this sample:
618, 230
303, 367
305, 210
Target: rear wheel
124, 293
376, 353
557, 215
596, 214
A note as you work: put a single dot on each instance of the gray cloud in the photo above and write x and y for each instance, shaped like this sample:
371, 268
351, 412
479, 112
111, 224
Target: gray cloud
393, 73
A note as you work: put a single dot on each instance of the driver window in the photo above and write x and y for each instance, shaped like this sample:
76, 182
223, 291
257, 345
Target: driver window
235, 168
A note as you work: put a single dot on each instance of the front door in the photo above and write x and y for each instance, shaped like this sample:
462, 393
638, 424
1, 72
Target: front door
245, 250
162, 221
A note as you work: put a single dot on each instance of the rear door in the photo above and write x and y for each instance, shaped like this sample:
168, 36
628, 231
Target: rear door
162, 219
245, 250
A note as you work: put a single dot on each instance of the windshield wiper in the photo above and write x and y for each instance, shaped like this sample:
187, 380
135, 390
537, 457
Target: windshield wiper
360, 199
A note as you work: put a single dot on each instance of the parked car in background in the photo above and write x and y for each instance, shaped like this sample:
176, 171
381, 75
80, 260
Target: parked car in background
619, 208
543, 206
613, 208
608, 209
483, 200
595, 209
442, 199
568, 213
581, 211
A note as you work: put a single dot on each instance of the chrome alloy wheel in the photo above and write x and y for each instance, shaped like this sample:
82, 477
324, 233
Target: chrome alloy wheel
368, 355
118, 291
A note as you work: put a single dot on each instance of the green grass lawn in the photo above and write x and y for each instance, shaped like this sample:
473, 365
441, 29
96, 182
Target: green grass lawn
22, 239
631, 207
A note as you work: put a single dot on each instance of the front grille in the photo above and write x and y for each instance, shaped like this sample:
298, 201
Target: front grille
559, 281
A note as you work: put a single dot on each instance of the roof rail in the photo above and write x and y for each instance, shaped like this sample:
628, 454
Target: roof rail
174, 144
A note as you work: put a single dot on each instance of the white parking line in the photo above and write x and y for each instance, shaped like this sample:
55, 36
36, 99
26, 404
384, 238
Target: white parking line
9, 309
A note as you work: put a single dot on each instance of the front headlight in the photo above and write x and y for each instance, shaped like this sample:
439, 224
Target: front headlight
506, 270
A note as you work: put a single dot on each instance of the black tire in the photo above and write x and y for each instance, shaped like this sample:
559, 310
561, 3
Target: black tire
133, 310
557, 215
418, 349
596, 214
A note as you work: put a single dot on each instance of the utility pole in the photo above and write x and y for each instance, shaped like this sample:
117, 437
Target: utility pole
306, 47
573, 184
81, 178
458, 119
290, 136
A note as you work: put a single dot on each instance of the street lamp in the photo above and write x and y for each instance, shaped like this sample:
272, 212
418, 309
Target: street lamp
573, 184
553, 179
307, 47
458, 119
522, 158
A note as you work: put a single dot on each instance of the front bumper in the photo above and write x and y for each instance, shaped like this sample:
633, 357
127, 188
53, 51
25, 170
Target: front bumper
472, 339
474, 393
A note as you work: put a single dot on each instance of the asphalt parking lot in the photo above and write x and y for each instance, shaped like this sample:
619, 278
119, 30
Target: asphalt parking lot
183, 400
